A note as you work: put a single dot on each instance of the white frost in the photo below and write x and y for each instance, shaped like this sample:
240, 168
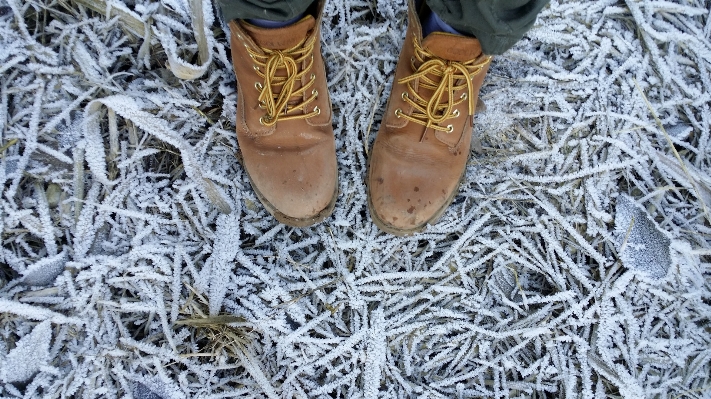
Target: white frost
31, 353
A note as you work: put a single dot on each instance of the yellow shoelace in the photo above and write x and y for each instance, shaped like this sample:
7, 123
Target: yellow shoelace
441, 105
277, 105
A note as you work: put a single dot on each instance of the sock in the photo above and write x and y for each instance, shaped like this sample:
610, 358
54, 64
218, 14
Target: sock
265, 23
433, 23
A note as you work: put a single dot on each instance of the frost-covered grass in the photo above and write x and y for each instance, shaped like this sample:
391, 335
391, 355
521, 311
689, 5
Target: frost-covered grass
137, 261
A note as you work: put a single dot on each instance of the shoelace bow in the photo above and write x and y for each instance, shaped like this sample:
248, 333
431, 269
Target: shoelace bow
441, 105
277, 104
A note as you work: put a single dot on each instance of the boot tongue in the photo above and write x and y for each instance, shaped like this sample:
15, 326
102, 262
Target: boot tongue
280, 38
452, 47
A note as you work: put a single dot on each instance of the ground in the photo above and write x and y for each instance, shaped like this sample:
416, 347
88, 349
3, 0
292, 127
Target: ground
137, 261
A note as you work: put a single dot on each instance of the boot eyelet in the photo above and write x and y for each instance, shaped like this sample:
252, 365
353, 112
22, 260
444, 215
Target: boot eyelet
258, 86
456, 113
261, 121
314, 92
317, 110
404, 95
256, 68
313, 76
262, 105
464, 96
398, 112
450, 129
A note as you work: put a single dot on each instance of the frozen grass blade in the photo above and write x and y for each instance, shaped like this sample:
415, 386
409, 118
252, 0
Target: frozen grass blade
675, 152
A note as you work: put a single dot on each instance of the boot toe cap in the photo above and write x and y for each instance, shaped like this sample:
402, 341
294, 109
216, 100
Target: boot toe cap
405, 199
295, 187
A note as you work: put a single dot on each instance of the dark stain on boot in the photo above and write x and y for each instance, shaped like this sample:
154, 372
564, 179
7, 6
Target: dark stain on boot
411, 209
380, 180
417, 189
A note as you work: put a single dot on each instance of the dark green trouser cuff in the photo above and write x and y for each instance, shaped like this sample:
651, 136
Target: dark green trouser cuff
271, 10
498, 24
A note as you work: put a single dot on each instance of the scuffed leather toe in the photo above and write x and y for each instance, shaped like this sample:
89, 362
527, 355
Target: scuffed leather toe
300, 184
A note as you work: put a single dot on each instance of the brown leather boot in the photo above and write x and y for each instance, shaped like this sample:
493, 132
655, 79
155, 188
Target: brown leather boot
421, 151
284, 119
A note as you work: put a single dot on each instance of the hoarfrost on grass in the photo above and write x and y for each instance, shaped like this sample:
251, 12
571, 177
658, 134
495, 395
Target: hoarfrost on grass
31, 353
136, 259
643, 246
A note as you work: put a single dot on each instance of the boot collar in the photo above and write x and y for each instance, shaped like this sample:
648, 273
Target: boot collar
452, 47
280, 38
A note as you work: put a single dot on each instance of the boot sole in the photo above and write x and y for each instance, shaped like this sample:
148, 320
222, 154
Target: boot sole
382, 225
289, 220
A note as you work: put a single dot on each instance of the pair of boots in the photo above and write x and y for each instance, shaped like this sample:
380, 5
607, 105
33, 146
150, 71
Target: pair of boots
286, 138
